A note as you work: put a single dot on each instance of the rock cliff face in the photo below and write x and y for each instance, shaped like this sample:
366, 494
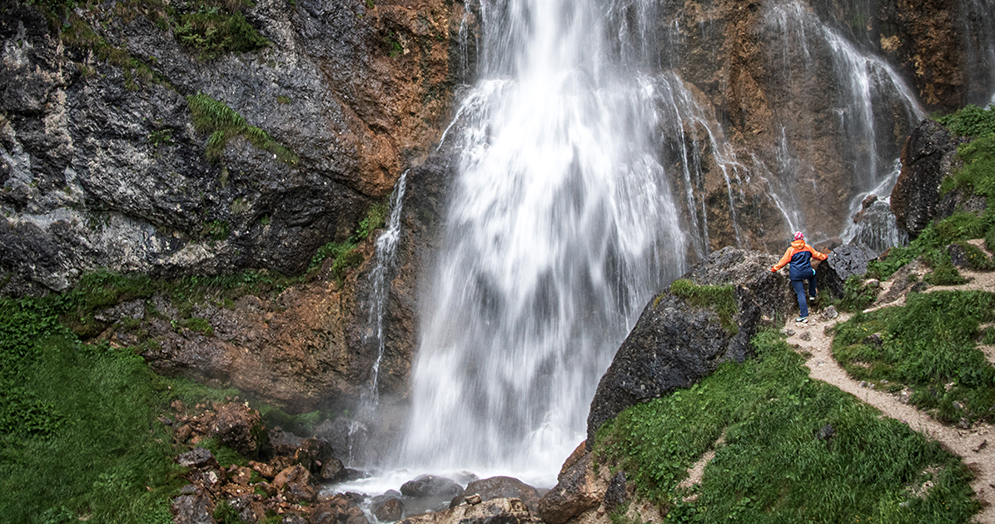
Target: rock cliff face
103, 164
779, 139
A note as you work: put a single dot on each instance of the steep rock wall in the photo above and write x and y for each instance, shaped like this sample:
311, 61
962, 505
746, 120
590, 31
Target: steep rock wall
101, 165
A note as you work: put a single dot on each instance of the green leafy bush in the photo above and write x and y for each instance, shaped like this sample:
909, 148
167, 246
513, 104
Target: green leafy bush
970, 120
777, 463
977, 259
857, 295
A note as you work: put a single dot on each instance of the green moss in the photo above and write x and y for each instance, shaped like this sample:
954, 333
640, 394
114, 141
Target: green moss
721, 298
970, 120
773, 465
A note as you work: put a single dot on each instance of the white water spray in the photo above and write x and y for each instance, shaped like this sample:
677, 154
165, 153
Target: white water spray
560, 229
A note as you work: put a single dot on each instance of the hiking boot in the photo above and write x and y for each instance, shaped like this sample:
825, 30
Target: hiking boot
803, 320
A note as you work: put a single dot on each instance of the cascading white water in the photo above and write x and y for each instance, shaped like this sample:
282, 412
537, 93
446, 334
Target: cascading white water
380, 276
561, 227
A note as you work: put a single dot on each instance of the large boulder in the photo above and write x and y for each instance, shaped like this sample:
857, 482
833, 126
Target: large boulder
496, 511
500, 488
927, 157
674, 343
238, 427
845, 261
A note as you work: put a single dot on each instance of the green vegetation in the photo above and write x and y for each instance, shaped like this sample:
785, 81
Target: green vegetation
210, 27
721, 298
970, 120
160, 137
857, 295
932, 243
222, 123
78, 434
344, 255
929, 345
778, 463
215, 27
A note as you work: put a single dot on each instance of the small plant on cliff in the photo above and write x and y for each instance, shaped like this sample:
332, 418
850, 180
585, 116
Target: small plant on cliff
344, 254
928, 345
223, 123
721, 298
791, 450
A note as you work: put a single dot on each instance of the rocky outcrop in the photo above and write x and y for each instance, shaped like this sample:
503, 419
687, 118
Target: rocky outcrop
102, 167
674, 343
500, 488
845, 261
496, 511
927, 158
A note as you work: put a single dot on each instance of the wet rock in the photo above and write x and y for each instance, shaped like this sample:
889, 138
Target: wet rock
576, 491
430, 486
332, 470
236, 426
845, 261
265, 470
295, 483
495, 511
388, 507
312, 453
674, 344
500, 488
926, 159
429, 493
197, 458
341, 508
283, 443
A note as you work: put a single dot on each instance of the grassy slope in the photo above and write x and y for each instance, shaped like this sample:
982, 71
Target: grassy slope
772, 466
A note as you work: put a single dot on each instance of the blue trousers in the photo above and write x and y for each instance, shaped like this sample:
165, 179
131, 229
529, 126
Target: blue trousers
799, 287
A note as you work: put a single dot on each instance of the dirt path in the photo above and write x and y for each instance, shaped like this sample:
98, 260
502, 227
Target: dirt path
976, 446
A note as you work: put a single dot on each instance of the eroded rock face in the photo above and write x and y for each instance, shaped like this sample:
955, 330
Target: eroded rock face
927, 157
674, 344
103, 169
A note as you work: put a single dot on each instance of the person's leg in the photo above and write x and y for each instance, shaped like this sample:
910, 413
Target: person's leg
799, 287
811, 287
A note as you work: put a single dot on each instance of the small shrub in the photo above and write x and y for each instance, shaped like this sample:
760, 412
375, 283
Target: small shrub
223, 123
160, 137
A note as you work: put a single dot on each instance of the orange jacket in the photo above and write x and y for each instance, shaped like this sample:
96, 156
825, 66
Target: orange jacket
798, 255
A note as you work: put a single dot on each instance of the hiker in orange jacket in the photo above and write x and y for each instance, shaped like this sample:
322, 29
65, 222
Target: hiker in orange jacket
799, 256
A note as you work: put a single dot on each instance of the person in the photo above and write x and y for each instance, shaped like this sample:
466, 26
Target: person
799, 255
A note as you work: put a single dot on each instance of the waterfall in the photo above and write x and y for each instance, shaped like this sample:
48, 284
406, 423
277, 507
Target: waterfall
561, 227
380, 278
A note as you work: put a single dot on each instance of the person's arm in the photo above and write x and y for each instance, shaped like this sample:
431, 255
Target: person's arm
783, 262
818, 255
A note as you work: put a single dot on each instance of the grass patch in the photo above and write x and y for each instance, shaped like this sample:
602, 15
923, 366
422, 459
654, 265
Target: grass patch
977, 259
222, 123
721, 298
218, 27
929, 345
774, 467
857, 295
79, 435
933, 241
